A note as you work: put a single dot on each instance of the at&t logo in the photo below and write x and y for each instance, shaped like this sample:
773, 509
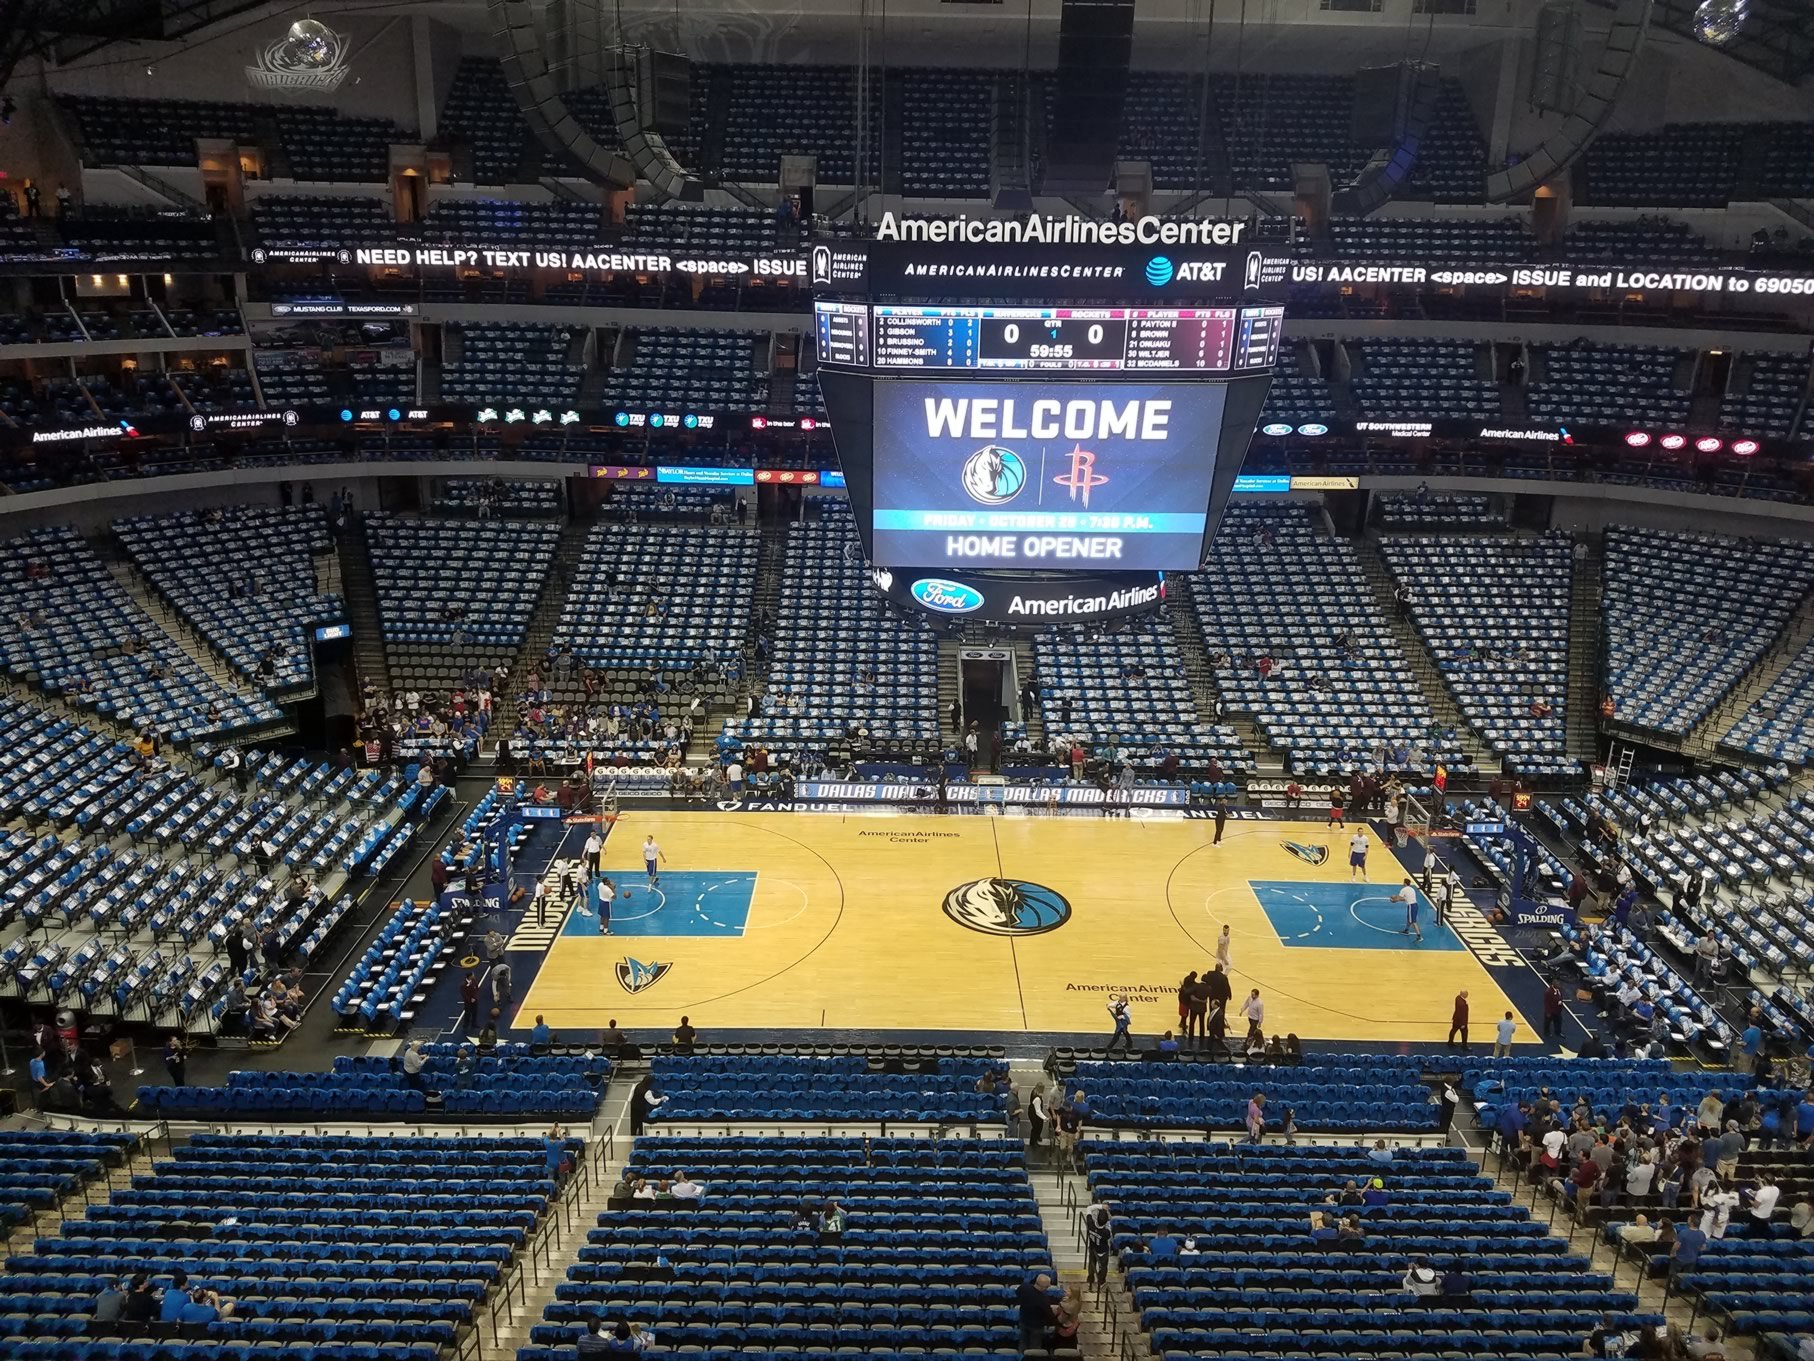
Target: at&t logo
1159, 271
947, 597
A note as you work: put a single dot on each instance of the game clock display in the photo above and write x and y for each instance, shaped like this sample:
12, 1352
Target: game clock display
1044, 475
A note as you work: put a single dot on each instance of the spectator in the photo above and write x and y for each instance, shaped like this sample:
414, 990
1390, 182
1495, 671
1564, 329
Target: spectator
540, 1037
1098, 1238
556, 1159
1255, 1011
1690, 1242
110, 1303
176, 1058
141, 1303
593, 1342
176, 1296
1069, 1120
1376, 1194
1724, 1152
833, 1220
1502, 1036
1420, 1280
685, 1188
644, 1102
1379, 1153
1037, 1116
1033, 1300
684, 1034
414, 1061
1065, 1320
1761, 1202
1256, 1117
469, 1000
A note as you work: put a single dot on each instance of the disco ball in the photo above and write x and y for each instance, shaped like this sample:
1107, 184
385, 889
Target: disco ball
310, 43
1718, 22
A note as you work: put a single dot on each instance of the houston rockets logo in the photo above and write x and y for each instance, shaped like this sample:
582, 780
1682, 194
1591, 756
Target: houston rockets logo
1082, 475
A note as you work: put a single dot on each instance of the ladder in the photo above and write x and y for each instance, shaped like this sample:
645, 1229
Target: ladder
1623, 758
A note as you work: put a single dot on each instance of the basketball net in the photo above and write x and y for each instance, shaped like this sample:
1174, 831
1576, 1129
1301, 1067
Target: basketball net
1417, 820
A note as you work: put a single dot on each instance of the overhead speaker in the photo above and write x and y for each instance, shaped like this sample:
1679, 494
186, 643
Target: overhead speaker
629, 76
1556, 69
1095, 47
519, 41
1417, 87
1375, 120
1590, 114
644, 154
670, 95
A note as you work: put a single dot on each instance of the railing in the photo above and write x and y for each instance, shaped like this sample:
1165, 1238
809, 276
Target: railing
536, 1260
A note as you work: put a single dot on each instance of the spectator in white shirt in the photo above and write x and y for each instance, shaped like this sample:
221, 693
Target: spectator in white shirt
1643, 1173
685, 1188
1764, 1196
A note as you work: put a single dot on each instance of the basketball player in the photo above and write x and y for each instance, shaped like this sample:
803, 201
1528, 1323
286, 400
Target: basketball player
1357, 856
1408, 896
607, 892
1222, 951
651, 858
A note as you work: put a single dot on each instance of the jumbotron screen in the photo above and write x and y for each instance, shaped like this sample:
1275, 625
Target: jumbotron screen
1043, 475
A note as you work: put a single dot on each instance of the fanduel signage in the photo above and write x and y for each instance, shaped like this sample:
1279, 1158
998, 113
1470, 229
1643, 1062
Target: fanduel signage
1061, 231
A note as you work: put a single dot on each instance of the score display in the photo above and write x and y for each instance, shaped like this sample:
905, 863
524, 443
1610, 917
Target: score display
1002, 340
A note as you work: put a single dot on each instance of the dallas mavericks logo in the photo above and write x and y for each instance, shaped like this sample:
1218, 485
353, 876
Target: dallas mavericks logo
993, 476
1007, 907
635, 976
1314, 855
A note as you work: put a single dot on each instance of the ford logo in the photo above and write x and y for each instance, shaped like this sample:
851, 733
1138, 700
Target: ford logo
1276, 430
947, 597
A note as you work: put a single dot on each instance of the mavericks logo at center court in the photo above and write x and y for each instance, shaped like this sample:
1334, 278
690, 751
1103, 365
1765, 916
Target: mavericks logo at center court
635, 976
1007, 907
1314, 855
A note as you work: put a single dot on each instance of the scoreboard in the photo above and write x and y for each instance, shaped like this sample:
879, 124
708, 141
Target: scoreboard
1084, 340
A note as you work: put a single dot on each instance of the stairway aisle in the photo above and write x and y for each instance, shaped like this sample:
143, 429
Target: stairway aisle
1798, 634
362, 605
1584, 681
1181, 609
176, 628
563, 1234
1422, 664
538, 637
1097, 1335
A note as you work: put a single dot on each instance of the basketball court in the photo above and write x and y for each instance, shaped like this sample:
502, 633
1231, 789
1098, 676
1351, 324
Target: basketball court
1003, 924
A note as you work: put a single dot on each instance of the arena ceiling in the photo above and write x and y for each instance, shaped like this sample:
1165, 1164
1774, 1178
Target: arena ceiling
1777, 40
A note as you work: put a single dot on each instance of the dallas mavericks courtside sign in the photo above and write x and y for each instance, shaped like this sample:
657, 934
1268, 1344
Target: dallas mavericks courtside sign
1007, 907
947, 597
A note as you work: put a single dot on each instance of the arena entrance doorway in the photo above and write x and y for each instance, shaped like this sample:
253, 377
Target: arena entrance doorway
986, 676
